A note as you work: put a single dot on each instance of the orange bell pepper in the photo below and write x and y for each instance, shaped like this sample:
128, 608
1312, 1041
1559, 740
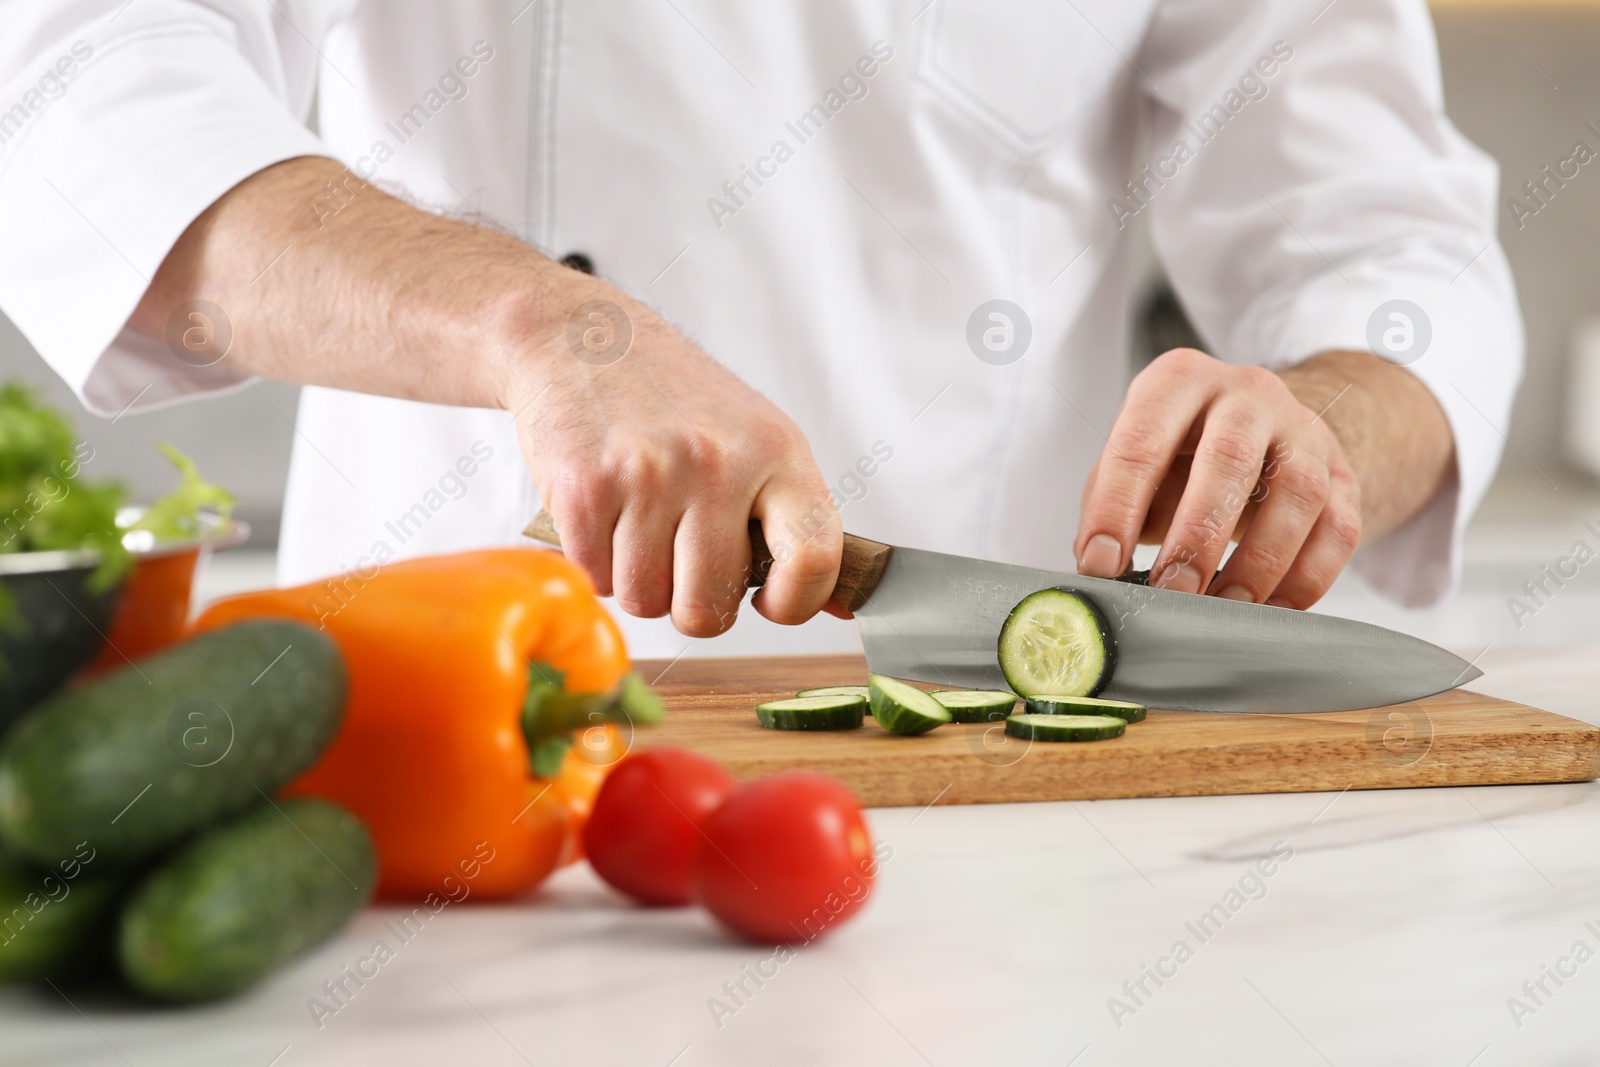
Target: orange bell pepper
432, 754
593, 754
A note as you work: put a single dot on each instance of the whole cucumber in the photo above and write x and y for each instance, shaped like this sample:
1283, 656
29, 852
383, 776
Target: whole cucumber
52, 925
140, 759
242, 900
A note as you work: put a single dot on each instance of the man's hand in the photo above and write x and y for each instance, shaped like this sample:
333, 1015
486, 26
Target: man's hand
652, 464
652, 467
1294, 466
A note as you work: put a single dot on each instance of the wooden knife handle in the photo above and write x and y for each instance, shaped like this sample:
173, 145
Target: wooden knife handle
860, 569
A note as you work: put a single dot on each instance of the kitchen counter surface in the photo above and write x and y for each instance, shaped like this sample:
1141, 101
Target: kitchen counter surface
1357, 928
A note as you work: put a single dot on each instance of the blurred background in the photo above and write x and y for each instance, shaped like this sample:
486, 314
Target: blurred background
1521, 80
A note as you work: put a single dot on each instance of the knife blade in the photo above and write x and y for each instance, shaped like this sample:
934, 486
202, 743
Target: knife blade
936, 618
933, 617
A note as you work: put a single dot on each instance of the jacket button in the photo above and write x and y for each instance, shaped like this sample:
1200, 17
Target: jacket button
578, 261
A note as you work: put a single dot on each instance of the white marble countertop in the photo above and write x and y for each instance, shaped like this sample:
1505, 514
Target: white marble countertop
1395, 932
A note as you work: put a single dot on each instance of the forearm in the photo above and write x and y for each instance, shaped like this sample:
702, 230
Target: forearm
343, 285
653, 464
1392, 430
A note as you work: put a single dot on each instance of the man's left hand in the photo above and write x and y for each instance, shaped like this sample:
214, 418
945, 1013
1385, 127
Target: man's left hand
1204, 453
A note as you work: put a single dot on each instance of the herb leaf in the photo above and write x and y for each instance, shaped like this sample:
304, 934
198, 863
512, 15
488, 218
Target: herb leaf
176, 516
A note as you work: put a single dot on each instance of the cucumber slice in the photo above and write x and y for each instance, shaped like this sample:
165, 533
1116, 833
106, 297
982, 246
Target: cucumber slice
1065, 727
1053, 704
1056, 643
812, 713
837, 691
976, 705
904, 709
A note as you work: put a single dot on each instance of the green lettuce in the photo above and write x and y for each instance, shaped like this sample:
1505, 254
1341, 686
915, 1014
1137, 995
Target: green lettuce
46, 504
176, 516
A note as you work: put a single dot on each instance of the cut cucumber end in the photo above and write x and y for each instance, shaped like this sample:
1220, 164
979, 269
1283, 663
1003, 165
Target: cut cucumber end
1055, 704
835, 712
1057, 643
976, 705
904, 709
1034, 727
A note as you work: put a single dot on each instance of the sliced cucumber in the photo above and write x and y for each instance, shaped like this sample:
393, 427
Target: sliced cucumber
1056, 643
812, 713
835, 691
1065, 727
976, 705
1053, 704
905, 709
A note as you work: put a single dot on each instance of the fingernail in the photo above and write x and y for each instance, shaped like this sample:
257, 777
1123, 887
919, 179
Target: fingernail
1278, 602
1102, 557
1236, 592
1180, 578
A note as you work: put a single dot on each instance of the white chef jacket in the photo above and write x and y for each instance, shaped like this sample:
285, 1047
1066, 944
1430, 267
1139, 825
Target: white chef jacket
822, 195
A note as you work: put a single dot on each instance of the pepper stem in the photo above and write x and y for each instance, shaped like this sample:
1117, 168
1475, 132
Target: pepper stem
551, 715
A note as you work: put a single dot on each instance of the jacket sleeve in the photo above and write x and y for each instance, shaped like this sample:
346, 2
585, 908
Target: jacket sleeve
121, 123
1303, 177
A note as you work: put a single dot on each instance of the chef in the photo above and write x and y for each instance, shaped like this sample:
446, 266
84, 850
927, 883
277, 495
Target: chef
664, 267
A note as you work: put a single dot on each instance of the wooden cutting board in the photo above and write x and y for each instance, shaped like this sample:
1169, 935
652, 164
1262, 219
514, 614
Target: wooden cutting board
1455, 738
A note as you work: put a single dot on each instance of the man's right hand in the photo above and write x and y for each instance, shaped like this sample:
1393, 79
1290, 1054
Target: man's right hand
652, 465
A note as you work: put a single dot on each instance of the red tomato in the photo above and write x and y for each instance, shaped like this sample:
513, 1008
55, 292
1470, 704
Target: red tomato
785, 859
641, 835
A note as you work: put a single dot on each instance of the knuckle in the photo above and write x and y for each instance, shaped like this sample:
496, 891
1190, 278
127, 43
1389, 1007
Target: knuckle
710, 606
1139, 449
1344, 529
643, 467
708, 460
1259, 379
776, 437
1304, 483
573, 491
822, 539
1233, 450
593, 554
1117, 511
642, 590
642, 601
1182, 553
1265, 560
579, 507
1199, 531
701, 620
790, 603
1345, 486
784, 614
1183, 361
813, 557
1305, 586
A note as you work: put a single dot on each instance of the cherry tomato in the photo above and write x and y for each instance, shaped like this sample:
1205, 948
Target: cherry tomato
641, 835
785, 858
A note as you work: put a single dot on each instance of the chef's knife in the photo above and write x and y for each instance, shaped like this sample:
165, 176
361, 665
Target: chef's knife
936, 618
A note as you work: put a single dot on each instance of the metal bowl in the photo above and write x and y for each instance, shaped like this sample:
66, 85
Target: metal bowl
216, 534
60, 623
